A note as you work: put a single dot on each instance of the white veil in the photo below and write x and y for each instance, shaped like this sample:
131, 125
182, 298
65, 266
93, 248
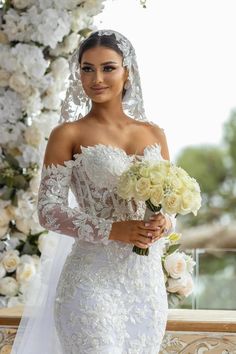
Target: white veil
37, 333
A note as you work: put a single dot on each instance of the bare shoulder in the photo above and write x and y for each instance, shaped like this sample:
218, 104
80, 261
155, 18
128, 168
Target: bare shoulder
61, 143
160, 136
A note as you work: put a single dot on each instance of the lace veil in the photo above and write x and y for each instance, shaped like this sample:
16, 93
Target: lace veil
36, 333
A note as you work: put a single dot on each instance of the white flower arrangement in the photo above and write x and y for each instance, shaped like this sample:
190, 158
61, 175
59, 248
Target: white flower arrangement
36, 39
178, 268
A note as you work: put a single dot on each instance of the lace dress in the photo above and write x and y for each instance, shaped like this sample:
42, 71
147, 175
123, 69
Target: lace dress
109, 300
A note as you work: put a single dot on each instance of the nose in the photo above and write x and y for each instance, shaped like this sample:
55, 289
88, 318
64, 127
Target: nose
97, 77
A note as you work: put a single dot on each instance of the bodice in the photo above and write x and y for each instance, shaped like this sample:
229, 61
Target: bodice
95, 173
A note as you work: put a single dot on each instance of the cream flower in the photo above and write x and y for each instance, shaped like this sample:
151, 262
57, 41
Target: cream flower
171, 203
183, 286
8, 286
11, 260
19, 82
2, 271
4, 78
25, 272
175, 265
156, 195
21, 4
126, 185
142, 188
33, 135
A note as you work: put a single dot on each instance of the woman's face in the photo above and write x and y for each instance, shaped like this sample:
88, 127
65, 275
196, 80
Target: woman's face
102, 74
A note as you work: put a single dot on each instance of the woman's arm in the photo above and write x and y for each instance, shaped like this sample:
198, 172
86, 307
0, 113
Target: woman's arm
53, 210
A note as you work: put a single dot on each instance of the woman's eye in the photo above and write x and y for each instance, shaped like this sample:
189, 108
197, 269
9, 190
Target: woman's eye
86, 68
109, 68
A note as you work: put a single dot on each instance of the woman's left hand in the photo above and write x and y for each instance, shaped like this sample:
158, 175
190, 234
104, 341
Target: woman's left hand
162, 223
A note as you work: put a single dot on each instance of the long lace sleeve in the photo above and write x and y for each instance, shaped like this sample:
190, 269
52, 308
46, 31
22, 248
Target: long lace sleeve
56, 215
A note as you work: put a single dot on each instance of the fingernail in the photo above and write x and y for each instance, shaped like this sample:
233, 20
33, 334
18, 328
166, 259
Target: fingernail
149, 234
147, 224
151, 218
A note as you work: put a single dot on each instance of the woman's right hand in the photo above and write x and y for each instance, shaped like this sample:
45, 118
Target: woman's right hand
134, 232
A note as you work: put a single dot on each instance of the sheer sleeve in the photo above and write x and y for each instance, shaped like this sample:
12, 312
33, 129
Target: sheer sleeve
56, 215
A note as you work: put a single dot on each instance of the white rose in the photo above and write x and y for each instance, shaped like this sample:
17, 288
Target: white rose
187, 288
3, 230
52, 99
11, 260
175, 265
4, 78
190, 263
34, 184
21, 4
8, 286
26, 258
47, 244
171, 203
5, 216
25, 272
142, 189
19, 82
2, 271
71, 42
190, 202
3, 38
156, 195
22, 225
125, 188
33, 135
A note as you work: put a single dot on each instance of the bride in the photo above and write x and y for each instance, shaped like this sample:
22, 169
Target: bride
96, 295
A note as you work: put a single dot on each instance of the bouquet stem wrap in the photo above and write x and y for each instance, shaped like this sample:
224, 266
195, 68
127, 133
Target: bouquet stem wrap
150, 210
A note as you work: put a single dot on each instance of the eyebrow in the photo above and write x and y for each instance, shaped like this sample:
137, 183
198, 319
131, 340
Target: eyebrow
107, 62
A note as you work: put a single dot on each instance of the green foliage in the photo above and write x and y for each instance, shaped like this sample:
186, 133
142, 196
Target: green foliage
206, 164
229, 137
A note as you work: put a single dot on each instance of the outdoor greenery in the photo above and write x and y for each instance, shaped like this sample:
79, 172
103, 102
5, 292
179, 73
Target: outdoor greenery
214, 167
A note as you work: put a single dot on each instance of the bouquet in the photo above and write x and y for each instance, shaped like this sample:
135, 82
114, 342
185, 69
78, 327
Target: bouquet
163, 186
178, 268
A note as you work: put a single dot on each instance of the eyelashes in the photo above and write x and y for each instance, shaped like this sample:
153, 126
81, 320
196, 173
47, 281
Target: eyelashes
106, 68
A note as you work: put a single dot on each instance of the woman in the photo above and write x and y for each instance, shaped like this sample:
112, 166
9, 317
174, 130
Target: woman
107, 298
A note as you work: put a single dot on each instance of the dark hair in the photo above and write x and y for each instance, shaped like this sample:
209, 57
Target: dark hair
95, 40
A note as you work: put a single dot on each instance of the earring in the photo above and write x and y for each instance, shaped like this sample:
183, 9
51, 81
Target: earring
127, 84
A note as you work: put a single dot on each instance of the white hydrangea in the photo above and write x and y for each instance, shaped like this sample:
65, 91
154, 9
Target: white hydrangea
59, 4
10, 106
46, 26
29, 155
11, 133
80, 20
23, 58
22, 4
4, 78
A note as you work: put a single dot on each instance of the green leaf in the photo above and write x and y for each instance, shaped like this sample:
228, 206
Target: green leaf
173, 248
13, 162
20, 182
7, 194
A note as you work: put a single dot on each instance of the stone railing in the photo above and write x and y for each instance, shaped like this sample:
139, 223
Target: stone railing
188, 331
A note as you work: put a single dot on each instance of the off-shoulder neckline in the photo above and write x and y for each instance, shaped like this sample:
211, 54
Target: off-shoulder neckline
78, 156
115, 148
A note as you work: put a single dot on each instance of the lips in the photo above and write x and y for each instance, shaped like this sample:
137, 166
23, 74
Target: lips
99, 88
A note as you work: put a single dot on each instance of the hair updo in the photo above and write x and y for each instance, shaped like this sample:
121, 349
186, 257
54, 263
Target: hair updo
96, 40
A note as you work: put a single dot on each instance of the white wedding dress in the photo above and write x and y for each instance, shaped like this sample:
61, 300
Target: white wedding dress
109, 300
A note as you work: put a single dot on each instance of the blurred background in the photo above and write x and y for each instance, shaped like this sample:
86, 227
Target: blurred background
187, 60
186, 53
